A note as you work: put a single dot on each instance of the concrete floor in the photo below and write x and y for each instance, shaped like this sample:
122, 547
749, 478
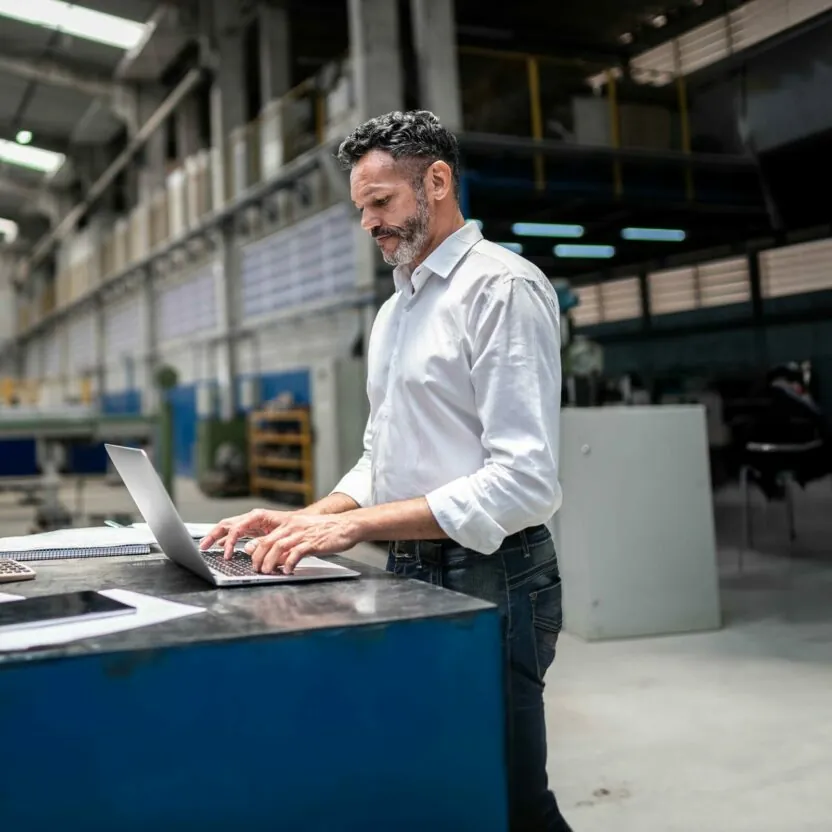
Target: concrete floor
729, 731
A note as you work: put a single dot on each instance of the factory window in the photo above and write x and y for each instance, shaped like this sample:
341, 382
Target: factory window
724, 282
310, 262
81, 337
673, 290
188, 307
719, 283
612, 300
122, 328
796, 270
51, 356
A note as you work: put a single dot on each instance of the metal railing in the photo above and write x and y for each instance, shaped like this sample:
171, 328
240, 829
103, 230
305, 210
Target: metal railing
546, 97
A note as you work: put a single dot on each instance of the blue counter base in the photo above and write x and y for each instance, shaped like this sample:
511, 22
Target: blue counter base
395, 727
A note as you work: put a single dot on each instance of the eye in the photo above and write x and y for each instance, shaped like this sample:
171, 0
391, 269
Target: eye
380, 203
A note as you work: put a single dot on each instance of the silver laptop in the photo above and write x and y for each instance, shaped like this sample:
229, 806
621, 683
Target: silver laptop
157, 508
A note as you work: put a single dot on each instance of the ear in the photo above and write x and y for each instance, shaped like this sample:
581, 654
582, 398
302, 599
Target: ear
439, 180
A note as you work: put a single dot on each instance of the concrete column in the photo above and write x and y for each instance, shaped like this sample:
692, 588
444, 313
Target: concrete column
375, 55
434, 35
227, 278
100, 369
8, 299
275, 55
228, 99
153, 171
186, 120
150, 355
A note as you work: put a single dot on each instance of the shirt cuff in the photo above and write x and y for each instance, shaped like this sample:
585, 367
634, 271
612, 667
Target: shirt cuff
357, 485
455, 509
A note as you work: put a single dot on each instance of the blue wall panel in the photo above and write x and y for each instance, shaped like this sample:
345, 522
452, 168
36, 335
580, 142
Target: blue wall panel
17, 458
183, 400
296, 382
87, 459
125, 402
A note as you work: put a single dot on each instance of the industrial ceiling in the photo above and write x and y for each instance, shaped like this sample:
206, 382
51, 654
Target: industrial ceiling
62, 90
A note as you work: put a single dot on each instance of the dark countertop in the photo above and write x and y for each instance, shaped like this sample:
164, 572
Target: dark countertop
376, 598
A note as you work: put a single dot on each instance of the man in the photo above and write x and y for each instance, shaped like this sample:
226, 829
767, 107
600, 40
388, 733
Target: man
461, 447
790, 418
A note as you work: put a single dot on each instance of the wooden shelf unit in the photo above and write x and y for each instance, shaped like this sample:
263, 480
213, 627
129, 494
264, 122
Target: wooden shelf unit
280, 455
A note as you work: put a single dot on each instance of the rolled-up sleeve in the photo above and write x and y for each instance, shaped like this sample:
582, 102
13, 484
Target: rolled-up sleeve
516, 376
358, 482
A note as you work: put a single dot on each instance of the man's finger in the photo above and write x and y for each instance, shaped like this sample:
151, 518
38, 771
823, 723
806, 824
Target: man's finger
216, 534
234, 534
295, 555
258, 551
274, 556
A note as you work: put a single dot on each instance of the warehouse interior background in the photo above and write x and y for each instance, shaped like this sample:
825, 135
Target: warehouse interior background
180, 259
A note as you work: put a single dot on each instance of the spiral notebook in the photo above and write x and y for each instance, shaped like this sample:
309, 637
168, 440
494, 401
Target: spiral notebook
94, 542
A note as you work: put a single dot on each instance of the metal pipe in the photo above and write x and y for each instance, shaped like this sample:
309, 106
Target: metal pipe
533, 72
70, 221
684, 118
510, 55
615, 131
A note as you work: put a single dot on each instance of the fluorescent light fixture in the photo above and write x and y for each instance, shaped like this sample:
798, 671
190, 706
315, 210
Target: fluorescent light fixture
23, 137
659, 235
75, 20
572, 250
27, 156
517, 248
8, 230
546, 229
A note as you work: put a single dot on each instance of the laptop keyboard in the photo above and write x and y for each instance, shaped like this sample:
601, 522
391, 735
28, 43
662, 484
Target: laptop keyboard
238, 565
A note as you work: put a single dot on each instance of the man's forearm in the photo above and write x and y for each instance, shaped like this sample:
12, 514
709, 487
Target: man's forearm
336, 503
402, 520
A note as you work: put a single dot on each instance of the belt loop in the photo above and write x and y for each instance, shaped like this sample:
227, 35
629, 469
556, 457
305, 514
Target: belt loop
524, 544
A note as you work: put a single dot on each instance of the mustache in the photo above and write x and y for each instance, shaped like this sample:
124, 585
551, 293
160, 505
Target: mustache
387, 231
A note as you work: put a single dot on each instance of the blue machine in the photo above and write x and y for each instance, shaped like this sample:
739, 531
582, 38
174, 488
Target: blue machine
372, 704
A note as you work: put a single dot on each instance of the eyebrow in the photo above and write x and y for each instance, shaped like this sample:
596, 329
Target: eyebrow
374, 191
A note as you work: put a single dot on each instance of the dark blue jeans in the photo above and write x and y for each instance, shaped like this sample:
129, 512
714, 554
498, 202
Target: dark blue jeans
522, 579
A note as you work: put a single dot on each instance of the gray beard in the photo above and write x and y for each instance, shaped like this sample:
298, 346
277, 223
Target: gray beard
415, 236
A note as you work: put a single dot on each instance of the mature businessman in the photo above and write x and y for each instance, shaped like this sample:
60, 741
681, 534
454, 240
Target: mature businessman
460, 464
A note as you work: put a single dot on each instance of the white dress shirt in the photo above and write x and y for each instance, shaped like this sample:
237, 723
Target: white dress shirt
464, 383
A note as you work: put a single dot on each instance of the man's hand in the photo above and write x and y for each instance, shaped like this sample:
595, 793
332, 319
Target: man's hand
226, 533
300, 535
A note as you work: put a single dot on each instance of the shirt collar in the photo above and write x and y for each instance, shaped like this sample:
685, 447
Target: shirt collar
445, 257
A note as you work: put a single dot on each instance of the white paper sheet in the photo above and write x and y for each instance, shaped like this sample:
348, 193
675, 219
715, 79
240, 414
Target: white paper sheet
196, 530
149, 610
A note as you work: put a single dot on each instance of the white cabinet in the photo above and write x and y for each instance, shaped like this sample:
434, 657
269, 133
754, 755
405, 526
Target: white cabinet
635, 532
339, 414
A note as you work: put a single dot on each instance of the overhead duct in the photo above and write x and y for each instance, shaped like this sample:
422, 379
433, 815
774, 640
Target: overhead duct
718, 39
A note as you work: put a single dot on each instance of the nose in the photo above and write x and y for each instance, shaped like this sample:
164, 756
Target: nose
369, 221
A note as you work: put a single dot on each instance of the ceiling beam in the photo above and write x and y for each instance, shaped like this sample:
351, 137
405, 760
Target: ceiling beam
38, 200
58, 74
120, 98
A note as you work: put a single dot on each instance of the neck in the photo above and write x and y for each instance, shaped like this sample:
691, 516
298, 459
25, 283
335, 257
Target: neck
443, 229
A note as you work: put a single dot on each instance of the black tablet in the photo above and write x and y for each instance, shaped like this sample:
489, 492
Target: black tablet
58, 609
